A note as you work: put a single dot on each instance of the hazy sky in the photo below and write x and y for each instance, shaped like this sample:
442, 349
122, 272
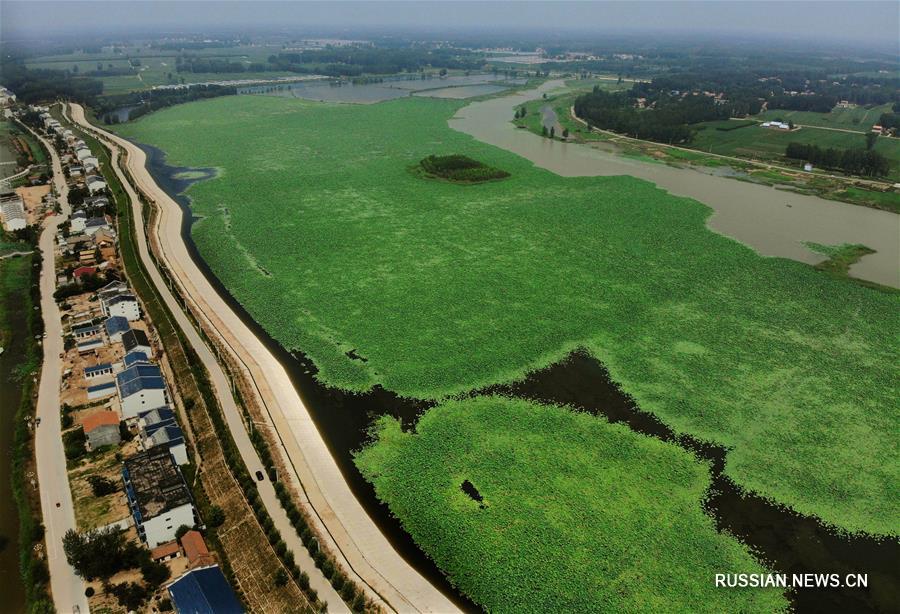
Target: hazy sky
877, 22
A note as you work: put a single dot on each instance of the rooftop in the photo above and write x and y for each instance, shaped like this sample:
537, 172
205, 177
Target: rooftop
140, 376
116, 324
135, 338
101, 418
195, 547
153, 482
204, 591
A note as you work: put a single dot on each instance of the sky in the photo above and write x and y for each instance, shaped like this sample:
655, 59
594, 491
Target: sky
841, 21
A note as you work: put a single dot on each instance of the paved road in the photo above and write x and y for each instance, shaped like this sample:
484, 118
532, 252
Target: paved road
222, 389
68, 589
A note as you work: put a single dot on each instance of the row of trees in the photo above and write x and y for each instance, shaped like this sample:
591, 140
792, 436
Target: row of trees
33, 86
668, 122
146, 102
853, 161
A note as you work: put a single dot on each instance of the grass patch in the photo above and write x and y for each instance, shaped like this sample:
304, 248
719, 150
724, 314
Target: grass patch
447, 290
544, 474
460, 169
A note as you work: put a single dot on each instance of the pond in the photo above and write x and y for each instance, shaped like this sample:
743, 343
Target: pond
387, 88
773, 222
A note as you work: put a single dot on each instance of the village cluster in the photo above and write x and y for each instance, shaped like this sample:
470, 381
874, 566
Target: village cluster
124, 446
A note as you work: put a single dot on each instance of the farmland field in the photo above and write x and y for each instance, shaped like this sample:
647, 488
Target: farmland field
857, 118
767, 144
431, 289
526, 547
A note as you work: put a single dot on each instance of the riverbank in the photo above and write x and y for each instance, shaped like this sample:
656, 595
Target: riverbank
340, 516
772, 221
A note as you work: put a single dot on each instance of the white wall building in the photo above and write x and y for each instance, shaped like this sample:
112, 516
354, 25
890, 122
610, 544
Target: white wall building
159, 499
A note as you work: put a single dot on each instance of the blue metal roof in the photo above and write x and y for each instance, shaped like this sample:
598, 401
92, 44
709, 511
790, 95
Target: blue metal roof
135, 356
98, 368
116, 324
152, 428
169, 435
204, 591
103, 386
160, 415
140, 376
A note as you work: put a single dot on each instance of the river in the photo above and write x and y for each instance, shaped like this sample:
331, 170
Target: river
773, 222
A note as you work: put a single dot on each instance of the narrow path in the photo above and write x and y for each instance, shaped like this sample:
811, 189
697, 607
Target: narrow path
223, 391
56, 498
351, 534
14, 254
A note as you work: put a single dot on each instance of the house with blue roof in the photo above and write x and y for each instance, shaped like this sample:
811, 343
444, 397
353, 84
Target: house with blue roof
158, 427
204, 590
98, 371
135, 357
115, 326
101, 391
141, 387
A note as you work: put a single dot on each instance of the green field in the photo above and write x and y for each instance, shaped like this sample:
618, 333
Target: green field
546, 474
316, 225
157, 64
858, 118
767, 144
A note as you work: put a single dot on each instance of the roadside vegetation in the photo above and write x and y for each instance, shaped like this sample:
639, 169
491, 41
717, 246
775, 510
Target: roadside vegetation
18, 292
500, 492
526, 270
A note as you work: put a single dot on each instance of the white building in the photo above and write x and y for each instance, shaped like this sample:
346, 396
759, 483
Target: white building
124, 305
158, 497
141, 387
95, 184
12, 212
77, 221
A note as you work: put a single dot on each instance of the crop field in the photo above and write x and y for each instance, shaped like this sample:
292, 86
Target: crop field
857, 118
432, 289
767, 144
545, 473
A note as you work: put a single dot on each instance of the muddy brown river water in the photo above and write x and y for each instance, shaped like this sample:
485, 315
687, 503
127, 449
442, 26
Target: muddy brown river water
771, 221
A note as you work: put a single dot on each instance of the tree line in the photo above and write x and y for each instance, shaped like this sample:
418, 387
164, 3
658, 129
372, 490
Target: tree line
852, 161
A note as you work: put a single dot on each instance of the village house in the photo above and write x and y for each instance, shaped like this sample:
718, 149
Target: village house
204, 590
158, 497
137, 341
101, 429
115, 326
141, 387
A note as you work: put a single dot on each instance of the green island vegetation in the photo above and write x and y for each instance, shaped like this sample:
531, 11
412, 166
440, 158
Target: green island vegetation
460, 169
840, 257
538, 476
332, 245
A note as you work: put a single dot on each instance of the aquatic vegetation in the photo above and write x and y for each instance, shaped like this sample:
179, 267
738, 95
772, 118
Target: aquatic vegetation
461, 169
333, 245
578, 515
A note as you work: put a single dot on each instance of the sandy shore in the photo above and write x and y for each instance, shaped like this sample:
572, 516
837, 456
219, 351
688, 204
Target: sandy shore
366, 552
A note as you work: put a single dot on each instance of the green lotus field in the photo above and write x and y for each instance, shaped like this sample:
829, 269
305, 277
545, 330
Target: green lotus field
433, 289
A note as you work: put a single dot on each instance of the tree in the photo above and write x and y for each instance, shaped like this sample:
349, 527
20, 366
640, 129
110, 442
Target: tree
180, 531
101, 486
281, 577
154, 573
544, 130
215, 517
95, 554
552, 131
565, 133
871, 138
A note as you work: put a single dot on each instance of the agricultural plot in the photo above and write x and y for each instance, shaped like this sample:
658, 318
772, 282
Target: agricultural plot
544, 474
768, 144
431, 289
856, 118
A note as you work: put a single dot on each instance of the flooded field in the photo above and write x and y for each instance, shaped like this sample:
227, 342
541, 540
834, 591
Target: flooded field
774, 222
462, 86
461, 92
